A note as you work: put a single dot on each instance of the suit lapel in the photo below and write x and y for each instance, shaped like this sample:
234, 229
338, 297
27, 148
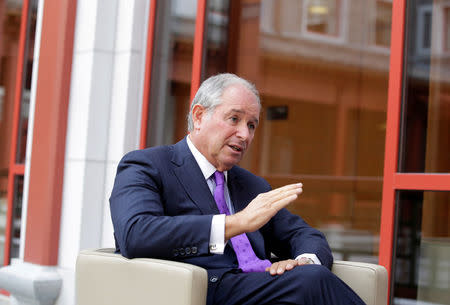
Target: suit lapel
191, 178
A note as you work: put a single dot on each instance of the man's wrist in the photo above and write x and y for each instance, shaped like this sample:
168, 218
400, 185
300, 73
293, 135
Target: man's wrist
233, 226
311, 256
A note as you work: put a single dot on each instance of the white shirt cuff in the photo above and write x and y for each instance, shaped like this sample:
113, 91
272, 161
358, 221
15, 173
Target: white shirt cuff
311, 256
217, 236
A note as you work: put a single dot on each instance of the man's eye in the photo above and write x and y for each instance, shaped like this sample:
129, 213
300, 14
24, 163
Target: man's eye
234, 119
252, 126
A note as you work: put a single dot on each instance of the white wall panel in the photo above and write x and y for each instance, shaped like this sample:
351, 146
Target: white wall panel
103, 122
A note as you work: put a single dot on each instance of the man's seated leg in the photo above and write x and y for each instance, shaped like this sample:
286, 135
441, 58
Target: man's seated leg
308, 284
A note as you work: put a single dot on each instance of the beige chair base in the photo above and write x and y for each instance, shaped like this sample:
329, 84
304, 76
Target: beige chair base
103, 277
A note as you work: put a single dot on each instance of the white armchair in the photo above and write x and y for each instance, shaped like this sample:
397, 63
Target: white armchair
103, 277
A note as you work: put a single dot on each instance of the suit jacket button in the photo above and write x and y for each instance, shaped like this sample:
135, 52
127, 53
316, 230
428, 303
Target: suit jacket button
213, 279
181, 251
175, 252
194, 250
187, 250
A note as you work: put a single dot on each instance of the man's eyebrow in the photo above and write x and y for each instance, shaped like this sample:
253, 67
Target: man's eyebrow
240, 111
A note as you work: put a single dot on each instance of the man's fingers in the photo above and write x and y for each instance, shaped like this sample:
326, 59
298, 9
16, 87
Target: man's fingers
266, 205
280, 267
284, 189
282, 203
284, 192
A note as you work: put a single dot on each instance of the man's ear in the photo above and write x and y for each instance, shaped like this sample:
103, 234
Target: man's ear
198, 113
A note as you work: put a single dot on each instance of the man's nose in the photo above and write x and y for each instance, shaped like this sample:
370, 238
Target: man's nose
242, 132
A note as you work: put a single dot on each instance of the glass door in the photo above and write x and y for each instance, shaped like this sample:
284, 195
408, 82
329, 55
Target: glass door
415, 232
17, 30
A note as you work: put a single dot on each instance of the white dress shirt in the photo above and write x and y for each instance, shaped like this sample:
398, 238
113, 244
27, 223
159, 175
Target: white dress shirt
217, 236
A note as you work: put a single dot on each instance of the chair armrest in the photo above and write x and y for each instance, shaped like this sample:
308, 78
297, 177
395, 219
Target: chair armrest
369, 281
103, 277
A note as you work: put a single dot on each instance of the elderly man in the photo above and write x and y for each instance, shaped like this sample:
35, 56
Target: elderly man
190, 202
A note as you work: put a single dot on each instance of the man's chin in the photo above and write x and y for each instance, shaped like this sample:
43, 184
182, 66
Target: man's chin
229, 163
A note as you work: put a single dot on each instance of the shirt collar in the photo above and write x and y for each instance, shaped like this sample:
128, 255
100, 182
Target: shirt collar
205, 166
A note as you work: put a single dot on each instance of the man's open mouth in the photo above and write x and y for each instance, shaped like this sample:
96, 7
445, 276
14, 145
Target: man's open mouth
236, 148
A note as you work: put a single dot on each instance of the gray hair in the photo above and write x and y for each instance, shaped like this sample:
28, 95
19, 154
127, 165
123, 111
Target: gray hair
209, 95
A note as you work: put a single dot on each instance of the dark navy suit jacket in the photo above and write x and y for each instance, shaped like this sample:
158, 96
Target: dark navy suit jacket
161, 207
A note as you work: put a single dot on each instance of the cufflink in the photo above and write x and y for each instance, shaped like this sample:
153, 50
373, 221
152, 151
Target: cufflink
306, 261
213, 247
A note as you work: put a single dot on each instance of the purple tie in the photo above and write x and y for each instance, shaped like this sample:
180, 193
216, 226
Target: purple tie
248, 261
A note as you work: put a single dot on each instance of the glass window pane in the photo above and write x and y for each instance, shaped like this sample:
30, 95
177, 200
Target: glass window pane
3, 211
26, 85
322, 16
17, 216
447, 28
383, 23
324, 111
422, 248
218, 14
10, 19
10, 16
171, 71
425, 143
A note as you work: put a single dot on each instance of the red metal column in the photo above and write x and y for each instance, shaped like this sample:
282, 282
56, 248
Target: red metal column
49, 132
13, 168
392, 136
148, 74
199, 40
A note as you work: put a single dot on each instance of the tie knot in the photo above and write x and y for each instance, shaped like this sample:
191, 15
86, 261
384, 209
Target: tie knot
219, 177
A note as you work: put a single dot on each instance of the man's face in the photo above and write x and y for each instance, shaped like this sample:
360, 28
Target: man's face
224, 135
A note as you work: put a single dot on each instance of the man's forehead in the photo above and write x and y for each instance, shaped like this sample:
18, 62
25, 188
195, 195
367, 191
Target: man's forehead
239, 110
254, 116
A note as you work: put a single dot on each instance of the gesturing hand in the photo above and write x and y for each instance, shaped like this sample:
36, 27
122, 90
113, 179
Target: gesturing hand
261, 209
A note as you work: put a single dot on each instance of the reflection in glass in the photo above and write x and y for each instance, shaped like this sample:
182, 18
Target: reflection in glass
447, 28
26, 84
17, 215
425, 142
10, 18
324, 108
171, 71
383, 23
323, 16
218, 15
422, 248
3, 211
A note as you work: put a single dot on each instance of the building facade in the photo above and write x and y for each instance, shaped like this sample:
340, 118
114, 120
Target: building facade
355, 104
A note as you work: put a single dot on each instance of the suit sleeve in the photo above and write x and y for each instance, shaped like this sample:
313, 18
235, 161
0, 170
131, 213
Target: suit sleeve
142, 228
